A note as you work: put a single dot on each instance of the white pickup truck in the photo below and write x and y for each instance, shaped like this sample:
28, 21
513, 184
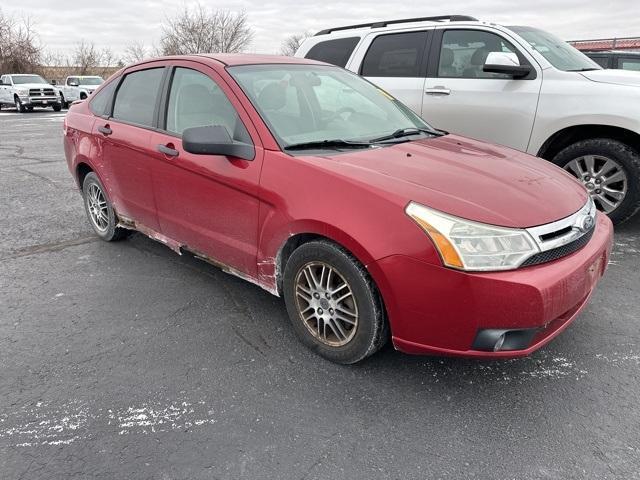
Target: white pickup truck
27, 91
79, 87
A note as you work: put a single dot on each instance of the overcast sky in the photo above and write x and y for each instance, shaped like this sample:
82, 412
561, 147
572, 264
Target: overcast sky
116, 23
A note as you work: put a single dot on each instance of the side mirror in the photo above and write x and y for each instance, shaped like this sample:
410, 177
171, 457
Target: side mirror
74, 84
215, 140
505, 63
53, 82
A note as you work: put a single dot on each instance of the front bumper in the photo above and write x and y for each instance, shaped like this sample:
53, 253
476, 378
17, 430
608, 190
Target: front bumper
437, 310
40, 101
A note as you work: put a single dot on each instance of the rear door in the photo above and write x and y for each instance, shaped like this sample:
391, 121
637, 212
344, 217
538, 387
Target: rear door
3, 89
396, 62
208, 203
125, 143
461, 98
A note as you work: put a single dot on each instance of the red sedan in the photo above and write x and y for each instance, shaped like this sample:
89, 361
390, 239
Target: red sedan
317, 186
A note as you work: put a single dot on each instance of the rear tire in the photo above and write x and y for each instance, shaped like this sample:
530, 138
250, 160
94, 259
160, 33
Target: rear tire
99, 211
604, 160
333, 303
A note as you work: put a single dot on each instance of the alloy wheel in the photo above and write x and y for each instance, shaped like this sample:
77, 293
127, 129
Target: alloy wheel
97, 206
604, 179
326, 304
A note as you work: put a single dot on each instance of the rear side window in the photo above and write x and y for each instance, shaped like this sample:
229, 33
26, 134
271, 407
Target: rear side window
102, 99
602, 61
630, 63
335, 52
136, 97
395, 55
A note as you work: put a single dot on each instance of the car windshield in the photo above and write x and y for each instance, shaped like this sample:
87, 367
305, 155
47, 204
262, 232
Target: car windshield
91, 81
557, 52
21, 79
317, 103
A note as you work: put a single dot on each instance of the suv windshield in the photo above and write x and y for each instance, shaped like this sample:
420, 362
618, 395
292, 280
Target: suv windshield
557, 52
21, 79
317, 103
91, 81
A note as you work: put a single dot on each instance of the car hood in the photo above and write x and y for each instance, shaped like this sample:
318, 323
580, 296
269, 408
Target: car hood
616, 77
469, 179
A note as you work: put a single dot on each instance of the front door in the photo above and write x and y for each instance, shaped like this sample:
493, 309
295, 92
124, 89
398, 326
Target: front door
208, 203
461, 98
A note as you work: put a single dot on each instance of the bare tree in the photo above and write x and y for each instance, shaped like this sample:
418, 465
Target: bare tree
136, 52
202, 30
87, 59
20, 48
291, 44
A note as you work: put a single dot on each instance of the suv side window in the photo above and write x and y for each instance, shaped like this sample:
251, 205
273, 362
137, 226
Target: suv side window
463, 53
336, 52
101, 101
195, 100
627, 63
136, 97
395, 55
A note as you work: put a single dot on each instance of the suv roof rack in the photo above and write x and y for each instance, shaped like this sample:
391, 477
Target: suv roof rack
384, 23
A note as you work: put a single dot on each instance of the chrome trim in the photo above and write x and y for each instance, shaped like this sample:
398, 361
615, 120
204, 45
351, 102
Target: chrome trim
580, 222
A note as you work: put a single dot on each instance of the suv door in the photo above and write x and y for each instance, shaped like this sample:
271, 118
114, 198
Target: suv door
208, 203
396, 63
461, 98
124, 140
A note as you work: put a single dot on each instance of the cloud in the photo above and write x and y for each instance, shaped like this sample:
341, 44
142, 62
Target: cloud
117, 23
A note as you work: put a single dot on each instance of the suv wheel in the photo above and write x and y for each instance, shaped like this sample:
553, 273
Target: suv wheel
19, 106
333, 304
99, 210
610, 171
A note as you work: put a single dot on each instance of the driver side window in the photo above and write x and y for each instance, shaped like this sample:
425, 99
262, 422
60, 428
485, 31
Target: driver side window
464, 52
195, 100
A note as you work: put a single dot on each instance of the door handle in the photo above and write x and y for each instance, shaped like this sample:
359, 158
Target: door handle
438, 91
106, 131
168, 150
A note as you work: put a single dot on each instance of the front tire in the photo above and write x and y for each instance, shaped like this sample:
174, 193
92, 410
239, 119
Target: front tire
333, 304
57, 108
19, 106
610, 170
99, 210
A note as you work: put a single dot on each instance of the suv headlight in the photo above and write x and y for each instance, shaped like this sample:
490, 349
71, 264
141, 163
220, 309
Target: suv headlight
468, 245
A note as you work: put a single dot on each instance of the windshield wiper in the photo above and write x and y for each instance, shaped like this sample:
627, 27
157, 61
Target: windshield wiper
319, 144
405, 132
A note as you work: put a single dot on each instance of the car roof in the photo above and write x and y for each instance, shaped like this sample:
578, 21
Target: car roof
233, 59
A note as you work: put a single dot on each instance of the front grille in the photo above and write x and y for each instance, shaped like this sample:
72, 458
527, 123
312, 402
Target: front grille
559, 252
41, 92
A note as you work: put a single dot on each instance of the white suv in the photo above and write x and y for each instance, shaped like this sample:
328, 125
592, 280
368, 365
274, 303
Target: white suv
514, 86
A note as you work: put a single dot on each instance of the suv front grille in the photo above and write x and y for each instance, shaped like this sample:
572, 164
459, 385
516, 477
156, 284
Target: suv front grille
559, 252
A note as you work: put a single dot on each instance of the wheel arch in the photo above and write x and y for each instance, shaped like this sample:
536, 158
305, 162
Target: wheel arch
576, 133
307, 231
82, 170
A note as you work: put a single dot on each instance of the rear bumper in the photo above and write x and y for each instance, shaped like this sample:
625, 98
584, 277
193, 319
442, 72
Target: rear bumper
436, 310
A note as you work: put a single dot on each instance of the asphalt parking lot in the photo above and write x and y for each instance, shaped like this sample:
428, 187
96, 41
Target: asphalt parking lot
125, 360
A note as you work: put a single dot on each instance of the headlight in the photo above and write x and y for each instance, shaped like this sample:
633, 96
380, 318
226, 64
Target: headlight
22, 91
468, 245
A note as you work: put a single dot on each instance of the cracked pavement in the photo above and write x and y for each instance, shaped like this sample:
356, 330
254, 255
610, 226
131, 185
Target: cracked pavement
126, 360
